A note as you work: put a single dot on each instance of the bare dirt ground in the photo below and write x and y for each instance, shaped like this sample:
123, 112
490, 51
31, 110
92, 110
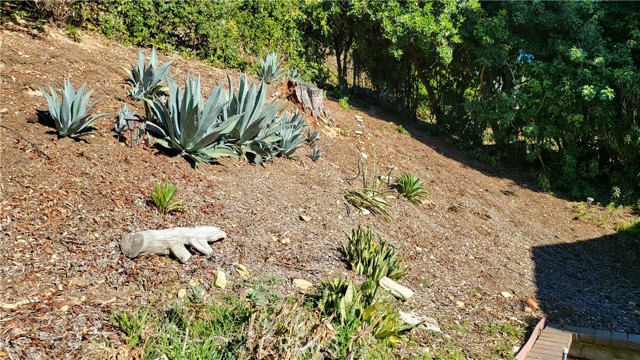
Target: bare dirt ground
65, 205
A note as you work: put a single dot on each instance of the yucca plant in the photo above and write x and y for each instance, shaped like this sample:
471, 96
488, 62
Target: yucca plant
71, 116
163, 198
369, 255
146, 80
270, 68
200, 129
410, 187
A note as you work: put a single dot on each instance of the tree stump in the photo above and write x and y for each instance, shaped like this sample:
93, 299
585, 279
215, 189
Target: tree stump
310, 97
171, 241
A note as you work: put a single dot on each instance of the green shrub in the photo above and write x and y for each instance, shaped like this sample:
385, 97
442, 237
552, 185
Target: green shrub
71, 117
344, 103
163, 198
410, 187
270, 68
371, 256
132, 324
402, 130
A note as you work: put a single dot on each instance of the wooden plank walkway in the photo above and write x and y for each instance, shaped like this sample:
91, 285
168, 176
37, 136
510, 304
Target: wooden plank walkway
550, 344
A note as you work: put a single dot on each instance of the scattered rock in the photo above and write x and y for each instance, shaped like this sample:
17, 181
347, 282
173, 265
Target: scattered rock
302, 284
285, 241
182, 293
64, 308
506, 294
365, 212
359, 132
221, 279
460, 304
4, 110
399, 291
32, 92
425, 323
305, 218
242, 270
194, 282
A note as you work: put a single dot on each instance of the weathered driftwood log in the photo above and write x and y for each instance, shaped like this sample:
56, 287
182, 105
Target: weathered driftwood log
310, 96
171, 241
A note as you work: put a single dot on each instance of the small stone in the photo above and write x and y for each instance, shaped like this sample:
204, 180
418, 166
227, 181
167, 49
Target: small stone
285, 241
506, 294
242, 270
64, 308
182, 293
302, 284
194, 282
365, 212
460, 304
359, 132
4, 110
305, 218
273, 238
221, 279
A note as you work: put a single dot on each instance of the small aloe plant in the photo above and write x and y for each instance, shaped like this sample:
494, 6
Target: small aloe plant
316, 154
270, 69
71, 116
411, 187
163, 198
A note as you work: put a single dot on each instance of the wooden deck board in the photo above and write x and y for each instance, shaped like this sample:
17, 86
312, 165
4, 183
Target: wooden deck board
549, 345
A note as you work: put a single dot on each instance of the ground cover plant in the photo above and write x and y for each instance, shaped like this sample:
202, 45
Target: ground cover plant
371, 194
163, 197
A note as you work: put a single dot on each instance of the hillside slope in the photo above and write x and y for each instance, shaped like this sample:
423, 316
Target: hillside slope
482, 232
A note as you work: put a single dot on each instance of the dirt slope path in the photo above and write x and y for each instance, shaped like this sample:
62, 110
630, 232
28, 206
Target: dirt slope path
63, 214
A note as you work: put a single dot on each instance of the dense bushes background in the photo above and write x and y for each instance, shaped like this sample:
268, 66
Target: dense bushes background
551, 85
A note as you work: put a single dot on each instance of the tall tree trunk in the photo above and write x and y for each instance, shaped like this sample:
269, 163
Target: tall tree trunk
433, 100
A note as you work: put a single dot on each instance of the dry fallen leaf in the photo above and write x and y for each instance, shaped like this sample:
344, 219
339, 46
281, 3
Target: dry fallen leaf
48, 249
533, 304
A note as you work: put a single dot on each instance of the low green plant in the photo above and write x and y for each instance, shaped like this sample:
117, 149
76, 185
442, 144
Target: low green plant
71, 116
631, 227
270, 68
411, 187
146, 80
163, 198
343, 102
402, 130
371, 256
73, 33
132, 324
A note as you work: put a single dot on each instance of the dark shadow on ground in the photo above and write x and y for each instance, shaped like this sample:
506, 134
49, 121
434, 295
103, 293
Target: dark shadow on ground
591, 283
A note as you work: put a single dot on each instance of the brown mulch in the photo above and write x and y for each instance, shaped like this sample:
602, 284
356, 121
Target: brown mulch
65, 204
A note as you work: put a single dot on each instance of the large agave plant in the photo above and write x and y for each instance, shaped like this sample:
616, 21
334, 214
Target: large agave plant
270, 69
71, 117
196, 127
146, 79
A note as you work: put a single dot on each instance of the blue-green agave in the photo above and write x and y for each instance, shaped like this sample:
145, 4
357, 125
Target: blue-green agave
71, 116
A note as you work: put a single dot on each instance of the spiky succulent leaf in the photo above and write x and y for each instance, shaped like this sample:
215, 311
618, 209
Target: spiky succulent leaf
146, 80
411, 187
71, 117
196, 127
270, 69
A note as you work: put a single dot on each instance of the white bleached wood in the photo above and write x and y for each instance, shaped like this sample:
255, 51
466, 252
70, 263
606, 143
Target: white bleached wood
171, 241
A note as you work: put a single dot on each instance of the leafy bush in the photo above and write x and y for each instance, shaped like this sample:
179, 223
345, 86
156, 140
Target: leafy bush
188, 123
270, 68
163, 198
71, 117
369, 255
146, 79
343, 102
410, 187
